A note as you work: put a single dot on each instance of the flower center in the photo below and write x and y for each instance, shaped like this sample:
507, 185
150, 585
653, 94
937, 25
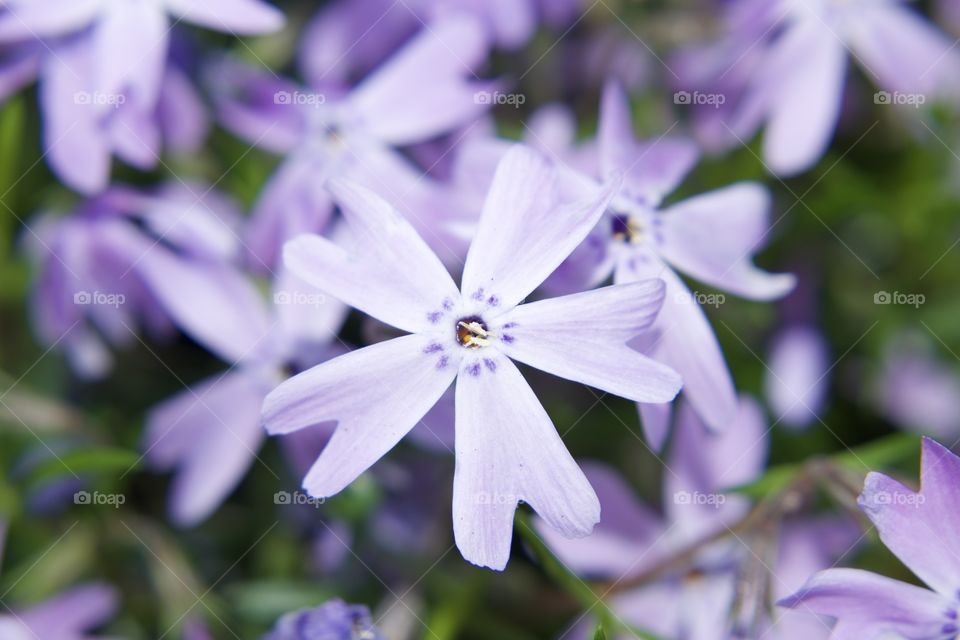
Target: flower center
472, 332
626, 228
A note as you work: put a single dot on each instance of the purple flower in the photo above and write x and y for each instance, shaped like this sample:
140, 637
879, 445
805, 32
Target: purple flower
425, 89
784, 65
919, 528
710, 237
917, 392
65, 617
335, 620
90, 290
506, 447
714, 595
103, 69
210, 433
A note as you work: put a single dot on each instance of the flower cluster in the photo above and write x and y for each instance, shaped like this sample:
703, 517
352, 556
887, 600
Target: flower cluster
396, 252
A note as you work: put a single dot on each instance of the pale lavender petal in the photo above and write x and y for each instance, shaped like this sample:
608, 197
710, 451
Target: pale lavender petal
181, 113
712, 237
131, 41
30, 19
392, 275
17, 71
628, 538
73, 612
917, 526
306, 315
512, 21
211, 434
812, 64
577, 337
655, 420
76, 148
390, 101
901, 51
797, 376
239, 17
198, 220
508, 450
525, 230
651, 170
869, 606
134, 134
213, 303
704, 464
682, 338
407, 376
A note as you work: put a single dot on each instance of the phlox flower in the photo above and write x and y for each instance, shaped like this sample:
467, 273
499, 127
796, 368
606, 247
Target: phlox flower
507, 449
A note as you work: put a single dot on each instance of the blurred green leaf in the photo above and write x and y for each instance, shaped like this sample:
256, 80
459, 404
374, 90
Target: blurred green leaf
97, 460
263, 601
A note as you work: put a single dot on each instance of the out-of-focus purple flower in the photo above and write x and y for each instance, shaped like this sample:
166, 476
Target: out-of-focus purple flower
68, 616
710, 237
715, 597
18, 67
506, 447
919, 528
784, 65
211, 432
90, 289
915, 391
334, 620
797, 376
425, 89
103, 69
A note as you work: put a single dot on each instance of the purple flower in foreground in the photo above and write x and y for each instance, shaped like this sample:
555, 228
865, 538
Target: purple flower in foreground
335, 620
920, 528
68, 616
507, 449
710, 237
103, 67
786, 67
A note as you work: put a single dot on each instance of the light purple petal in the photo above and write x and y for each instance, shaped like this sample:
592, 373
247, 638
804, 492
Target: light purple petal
525, 231
812, 64
797, 379
579, 336
131, 41
30, 19
376, 394
73, 612
712, 237
917, 527
212, 303
392, 275
391, 101
76, 148
238, 17
508, 450
682, 338
655, 420
306, 315
651, 170
181, 113
900, 51
211, 434
628, 538
17, 71
869, 606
